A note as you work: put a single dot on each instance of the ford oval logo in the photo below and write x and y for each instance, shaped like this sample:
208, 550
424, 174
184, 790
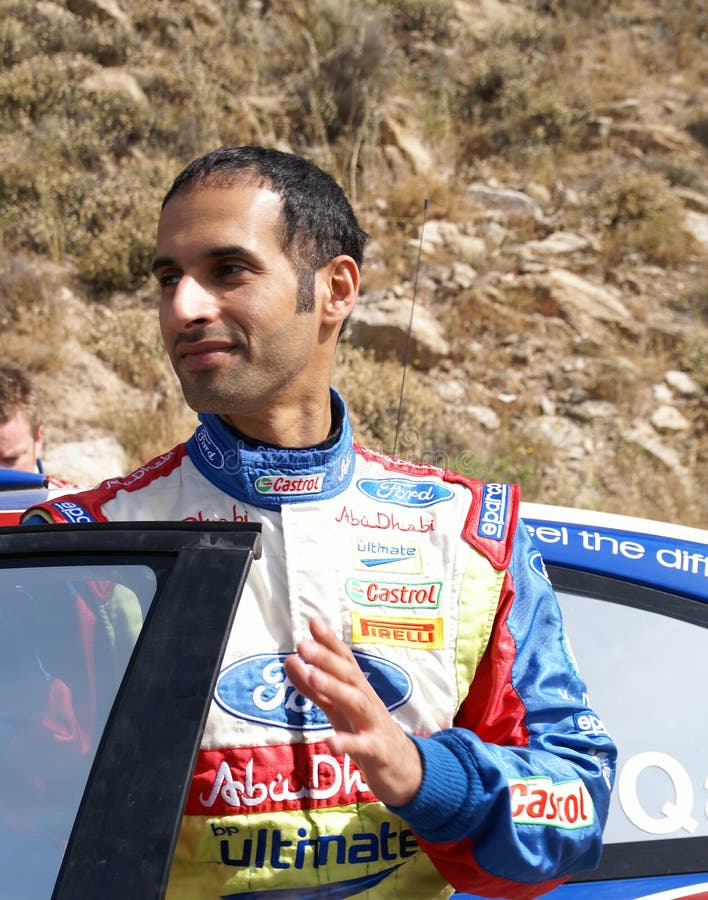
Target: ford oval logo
537, 564
257, 689
209, 450
404, 491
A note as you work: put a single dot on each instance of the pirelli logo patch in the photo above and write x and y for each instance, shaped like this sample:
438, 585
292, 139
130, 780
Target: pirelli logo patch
398, 631
540, 801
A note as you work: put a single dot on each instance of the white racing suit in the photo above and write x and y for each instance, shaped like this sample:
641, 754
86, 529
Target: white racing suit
442, 596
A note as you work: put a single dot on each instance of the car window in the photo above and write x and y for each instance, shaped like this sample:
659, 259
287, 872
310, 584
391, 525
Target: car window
643, 652
66, 635
115, 623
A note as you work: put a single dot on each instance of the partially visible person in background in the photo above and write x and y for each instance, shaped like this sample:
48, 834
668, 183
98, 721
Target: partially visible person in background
21, 427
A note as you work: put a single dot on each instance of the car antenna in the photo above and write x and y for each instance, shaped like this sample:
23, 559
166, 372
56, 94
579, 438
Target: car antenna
426, 203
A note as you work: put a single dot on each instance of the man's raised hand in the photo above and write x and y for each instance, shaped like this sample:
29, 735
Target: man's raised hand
325, 671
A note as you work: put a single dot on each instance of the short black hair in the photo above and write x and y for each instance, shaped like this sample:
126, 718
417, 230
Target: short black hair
17, 393
318, 220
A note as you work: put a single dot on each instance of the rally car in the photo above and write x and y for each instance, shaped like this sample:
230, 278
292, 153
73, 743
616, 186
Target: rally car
90, 802
17, 491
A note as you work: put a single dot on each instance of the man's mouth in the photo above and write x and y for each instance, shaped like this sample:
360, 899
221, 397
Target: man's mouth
203, 354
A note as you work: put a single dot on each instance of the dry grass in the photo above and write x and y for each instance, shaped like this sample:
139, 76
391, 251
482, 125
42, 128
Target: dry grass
170, 421
83, 172
641, 214
33, 317
527, 93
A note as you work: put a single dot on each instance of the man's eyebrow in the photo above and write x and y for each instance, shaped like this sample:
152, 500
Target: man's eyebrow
213, 253
160, 262
232, 250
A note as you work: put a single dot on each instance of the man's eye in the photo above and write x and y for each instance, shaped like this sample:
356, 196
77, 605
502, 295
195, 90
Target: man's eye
230, 268
167, 279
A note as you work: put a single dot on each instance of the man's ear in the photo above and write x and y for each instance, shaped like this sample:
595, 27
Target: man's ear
340, 285
39, 441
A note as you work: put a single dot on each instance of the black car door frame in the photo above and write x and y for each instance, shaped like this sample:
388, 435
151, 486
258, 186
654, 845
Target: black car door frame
126, 827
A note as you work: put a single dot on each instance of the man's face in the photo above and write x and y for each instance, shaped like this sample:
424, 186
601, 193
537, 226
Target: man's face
19, 446
228, 303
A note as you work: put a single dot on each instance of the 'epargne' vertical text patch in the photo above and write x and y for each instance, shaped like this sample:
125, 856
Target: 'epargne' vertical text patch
492, 517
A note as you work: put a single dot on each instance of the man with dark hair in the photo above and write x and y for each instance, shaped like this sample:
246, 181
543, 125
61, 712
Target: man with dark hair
316, 219
21, 428
398, 712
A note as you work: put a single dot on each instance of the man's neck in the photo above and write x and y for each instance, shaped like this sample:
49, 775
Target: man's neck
292, 431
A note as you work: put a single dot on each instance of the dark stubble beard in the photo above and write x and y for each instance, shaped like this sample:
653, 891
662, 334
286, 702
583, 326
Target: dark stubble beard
205, 395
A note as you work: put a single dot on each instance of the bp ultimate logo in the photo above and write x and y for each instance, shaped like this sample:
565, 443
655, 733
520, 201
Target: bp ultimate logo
387, 555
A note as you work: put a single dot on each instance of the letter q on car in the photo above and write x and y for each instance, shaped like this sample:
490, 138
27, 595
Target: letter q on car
634, 596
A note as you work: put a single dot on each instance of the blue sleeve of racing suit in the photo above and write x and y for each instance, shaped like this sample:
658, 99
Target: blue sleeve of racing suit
533, 810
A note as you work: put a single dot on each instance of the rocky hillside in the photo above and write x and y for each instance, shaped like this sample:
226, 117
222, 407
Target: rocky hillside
555, 279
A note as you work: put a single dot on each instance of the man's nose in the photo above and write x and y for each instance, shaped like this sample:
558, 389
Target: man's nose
192, 305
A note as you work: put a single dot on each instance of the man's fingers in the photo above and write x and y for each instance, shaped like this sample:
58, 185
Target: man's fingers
325, 670
324, 641
320, 631
343, 703
326, 652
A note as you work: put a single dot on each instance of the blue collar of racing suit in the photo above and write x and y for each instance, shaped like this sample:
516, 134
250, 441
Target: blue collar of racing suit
269, 476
